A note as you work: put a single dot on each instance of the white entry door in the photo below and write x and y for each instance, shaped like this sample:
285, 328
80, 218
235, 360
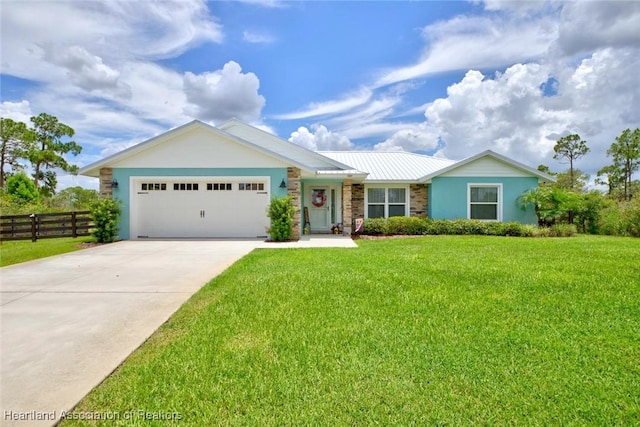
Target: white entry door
319, 208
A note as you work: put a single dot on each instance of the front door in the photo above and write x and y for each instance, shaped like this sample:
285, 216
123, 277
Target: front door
319, 208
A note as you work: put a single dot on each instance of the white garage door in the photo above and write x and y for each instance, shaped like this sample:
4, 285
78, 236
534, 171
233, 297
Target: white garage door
197, 207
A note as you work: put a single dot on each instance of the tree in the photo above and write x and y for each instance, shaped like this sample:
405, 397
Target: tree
577, 182
550, 203
75, 199
570, 147
49, 150
21, 189
610, 176
626, 157
16, 141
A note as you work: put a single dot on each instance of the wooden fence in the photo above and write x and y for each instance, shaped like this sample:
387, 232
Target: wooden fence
45, 226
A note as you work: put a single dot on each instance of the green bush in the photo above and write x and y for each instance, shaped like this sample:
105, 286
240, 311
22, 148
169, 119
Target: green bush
421, 226
563, 230
281, 212
632, 217
621, 219
374, 226
22, 189
105, 213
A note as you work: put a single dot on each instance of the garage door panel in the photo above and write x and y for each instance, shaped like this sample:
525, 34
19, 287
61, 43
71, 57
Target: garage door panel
202, 211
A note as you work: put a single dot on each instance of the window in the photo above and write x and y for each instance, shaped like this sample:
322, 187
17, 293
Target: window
185, 186
153, 186
485, 202
251, 186
219, 186
385, 202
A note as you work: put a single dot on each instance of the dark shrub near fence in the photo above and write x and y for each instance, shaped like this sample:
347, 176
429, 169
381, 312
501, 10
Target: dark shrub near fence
412, 226
42, 226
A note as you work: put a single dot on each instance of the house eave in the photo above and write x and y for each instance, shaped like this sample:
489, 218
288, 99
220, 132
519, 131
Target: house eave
513, 163
93, 169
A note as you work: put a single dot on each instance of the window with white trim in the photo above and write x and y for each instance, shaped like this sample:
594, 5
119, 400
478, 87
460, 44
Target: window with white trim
485, 202
384, 202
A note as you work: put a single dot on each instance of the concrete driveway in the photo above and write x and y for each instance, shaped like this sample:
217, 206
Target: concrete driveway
68, 321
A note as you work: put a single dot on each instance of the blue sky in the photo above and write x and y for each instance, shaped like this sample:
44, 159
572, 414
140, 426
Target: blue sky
443, 78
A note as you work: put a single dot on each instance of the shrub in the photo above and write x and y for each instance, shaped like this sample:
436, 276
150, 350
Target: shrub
408, 225
563, 230
588, 213
421, 226
281, 212
621, 219
374, 226
22, 189
632, 217
543, 232
105, 213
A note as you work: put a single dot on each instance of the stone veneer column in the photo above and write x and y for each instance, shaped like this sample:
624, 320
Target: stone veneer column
347, 214
293, 189
106, 178
418, 200
357, 201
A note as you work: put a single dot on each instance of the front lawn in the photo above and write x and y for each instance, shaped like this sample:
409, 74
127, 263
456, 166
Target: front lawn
15, 251
446, 330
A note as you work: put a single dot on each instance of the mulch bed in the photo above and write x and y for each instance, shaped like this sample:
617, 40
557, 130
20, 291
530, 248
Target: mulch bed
89, 245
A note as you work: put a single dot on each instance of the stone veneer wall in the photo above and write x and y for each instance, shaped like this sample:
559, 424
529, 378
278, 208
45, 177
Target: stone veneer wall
357, 201
418, 200
106, 178
347, 218
293, 190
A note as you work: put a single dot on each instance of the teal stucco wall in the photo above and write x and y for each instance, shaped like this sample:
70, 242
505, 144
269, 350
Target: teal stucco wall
124, 175
448, 197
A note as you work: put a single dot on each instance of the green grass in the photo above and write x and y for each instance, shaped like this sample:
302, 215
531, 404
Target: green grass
15, 251
435, 330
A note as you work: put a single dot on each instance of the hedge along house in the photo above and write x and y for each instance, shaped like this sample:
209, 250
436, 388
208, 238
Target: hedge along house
200, 181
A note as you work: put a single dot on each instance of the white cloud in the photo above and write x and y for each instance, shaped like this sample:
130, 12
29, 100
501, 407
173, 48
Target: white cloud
477, 42
224, 94
509, 113
114, 31
94, 67
17, 111
420, 137
380, 129
520, 7
590, 25
266, 3
258, 37
320, 138
87, 71
373, 111
346, 103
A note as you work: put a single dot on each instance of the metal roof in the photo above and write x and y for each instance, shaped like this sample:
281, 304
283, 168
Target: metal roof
390, 165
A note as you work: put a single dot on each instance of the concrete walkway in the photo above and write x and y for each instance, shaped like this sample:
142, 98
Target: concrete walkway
68, 321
